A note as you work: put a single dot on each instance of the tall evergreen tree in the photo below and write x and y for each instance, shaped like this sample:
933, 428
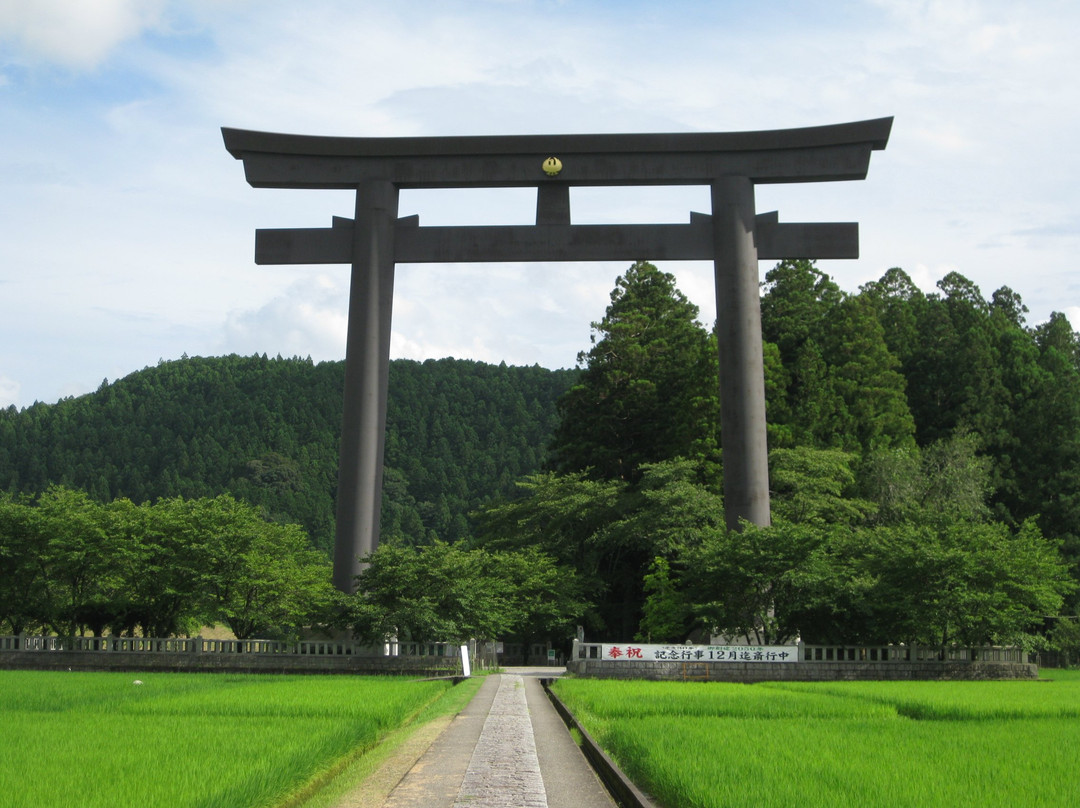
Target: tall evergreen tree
843, 385
648, 391
866, 377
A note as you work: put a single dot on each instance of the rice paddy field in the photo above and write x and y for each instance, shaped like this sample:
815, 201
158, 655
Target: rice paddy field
199, 740
712, 744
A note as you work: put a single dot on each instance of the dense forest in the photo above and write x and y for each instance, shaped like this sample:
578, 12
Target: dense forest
459, 433
924, 462
924, 452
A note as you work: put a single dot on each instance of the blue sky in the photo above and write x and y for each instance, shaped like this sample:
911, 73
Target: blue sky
126, 230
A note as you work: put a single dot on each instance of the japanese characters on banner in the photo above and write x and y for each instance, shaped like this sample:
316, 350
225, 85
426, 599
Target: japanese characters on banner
635, 652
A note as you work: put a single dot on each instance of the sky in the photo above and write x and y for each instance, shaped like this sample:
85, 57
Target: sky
127, 231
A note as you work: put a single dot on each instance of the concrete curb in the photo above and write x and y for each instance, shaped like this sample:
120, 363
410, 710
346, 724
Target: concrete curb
624, 792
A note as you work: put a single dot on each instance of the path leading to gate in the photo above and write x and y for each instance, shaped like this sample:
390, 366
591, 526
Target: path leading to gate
507, 749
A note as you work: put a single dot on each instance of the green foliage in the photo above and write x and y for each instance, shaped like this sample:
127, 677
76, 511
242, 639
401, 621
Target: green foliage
268, 581
610, 531
73, 565
648, 390
558, 514
815, 486
674, 505
908, 431
973, 368
966, 583
916, 566
442, 592
74, 545
23, 595
1064, 639
742, 583
944, 482
665, 612
459, 435
840, 386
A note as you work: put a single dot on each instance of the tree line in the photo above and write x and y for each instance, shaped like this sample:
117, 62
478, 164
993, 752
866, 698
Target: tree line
71, 566
923, 458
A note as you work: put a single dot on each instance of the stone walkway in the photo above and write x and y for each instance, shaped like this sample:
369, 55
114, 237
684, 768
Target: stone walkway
507, 749
504, 769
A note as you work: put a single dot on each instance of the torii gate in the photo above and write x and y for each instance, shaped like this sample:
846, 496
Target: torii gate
733, 236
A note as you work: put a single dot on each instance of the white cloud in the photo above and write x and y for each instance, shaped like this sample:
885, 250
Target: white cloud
1073, 313
75, 33
309, 319
926, 278
9, 392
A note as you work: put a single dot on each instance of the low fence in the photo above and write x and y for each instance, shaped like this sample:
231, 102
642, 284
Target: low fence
799, 662
910, 653
202, 654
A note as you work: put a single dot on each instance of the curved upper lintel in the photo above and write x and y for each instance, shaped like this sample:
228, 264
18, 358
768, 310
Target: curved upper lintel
874, 133
813, 154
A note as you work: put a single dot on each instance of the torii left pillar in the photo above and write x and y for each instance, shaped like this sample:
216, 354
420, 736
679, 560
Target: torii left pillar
367, 362
742, 364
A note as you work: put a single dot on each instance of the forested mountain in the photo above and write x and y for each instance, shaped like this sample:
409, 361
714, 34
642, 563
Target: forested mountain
266, 430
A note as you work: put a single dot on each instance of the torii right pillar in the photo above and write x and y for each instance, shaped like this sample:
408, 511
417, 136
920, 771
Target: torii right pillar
742, 366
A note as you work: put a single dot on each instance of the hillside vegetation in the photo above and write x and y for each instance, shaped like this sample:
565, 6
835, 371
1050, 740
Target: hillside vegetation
459, 433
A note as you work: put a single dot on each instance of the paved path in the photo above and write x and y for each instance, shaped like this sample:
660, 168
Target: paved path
507, 749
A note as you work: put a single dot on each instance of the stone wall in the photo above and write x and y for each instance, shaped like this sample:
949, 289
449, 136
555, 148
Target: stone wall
798, 671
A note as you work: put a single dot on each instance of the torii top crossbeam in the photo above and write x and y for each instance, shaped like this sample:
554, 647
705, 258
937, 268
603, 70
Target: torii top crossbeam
812, 154
733, 236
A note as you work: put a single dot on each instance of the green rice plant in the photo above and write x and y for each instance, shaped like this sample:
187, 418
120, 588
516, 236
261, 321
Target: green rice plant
842, 743
1060, 674
707, 763
940, 701
717, 699
42, 692
187, 739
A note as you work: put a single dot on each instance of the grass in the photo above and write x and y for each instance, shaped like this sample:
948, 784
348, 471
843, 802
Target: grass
199, 740
700, 745
358, 768
1060, 674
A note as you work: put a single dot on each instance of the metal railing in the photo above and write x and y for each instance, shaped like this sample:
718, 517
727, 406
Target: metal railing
910, 653
201, 645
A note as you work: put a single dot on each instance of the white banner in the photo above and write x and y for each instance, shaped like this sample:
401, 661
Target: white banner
636, 652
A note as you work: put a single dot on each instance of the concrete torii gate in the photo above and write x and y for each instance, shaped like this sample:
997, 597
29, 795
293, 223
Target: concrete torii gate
733, 236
